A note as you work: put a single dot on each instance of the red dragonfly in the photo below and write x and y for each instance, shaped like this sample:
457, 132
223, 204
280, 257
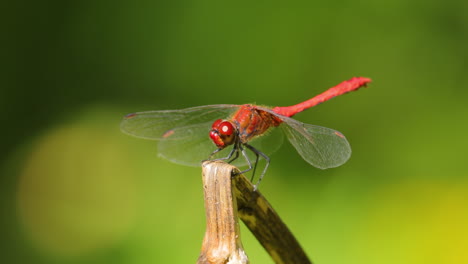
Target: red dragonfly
185, 134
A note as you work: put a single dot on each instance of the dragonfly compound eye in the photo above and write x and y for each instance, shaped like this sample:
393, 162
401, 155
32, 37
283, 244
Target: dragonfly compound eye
214, 135
222, 133
226, 128
216, 123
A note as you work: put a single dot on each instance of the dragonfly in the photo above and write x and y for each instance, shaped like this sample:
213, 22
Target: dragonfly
189, 136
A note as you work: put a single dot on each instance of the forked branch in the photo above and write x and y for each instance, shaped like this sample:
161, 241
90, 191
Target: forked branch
228, 197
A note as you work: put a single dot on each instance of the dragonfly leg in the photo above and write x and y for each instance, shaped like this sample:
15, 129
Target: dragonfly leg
255, 166
239, 147
235, 150
214, 152
242, 150
267, 159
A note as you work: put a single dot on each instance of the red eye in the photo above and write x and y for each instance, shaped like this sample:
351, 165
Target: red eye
216, 124
217, 139
226, 128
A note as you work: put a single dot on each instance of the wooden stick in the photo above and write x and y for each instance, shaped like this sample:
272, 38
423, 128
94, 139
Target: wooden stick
254, 210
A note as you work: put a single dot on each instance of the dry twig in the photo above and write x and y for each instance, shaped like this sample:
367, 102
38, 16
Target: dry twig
226, 198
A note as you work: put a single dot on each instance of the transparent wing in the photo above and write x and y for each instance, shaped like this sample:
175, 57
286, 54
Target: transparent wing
320, 146
187, 145
157, 125
190, 145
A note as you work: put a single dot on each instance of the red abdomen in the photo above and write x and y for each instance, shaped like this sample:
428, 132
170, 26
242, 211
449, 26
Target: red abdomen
251, 122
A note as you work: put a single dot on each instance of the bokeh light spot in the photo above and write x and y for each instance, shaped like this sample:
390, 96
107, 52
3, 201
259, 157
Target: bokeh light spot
76, 193
416, 222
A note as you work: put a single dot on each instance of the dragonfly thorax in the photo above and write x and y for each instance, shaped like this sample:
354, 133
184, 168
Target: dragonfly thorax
223, 133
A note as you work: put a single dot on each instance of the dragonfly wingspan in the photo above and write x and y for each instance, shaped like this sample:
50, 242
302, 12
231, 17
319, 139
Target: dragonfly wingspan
184, 136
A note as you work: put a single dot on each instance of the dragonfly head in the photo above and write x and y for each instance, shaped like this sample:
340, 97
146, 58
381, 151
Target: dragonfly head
223, 133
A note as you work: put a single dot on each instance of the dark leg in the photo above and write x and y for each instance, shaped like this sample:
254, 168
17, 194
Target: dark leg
267, 159
255, 166
235, 149
247, 159
242, 150
214, 152
239, 147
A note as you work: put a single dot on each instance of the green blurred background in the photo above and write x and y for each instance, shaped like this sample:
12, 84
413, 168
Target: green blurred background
73, 189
